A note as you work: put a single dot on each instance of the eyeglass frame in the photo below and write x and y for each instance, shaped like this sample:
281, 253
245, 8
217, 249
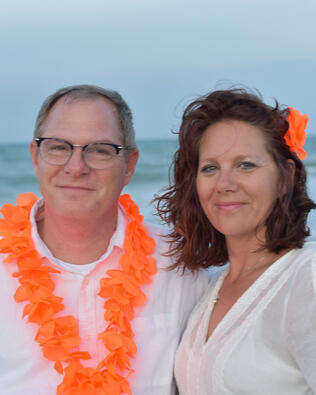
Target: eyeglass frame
118, 147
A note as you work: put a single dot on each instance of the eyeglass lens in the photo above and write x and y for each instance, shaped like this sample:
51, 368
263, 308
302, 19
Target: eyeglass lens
95, 155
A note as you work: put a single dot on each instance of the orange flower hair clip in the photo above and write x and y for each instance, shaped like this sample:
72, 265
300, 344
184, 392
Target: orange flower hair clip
295, 136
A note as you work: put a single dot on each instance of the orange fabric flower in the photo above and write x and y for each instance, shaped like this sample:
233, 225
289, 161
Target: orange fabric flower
295, 136
59, 336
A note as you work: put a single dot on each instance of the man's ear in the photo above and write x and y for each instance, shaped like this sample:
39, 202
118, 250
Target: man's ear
34, 155
131, 161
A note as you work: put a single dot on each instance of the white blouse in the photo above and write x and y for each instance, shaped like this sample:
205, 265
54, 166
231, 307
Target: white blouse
265, 344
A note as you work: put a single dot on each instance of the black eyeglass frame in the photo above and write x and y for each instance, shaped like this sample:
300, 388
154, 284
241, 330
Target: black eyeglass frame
117, 147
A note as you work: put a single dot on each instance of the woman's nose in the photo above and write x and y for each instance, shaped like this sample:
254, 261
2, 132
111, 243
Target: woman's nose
226, 181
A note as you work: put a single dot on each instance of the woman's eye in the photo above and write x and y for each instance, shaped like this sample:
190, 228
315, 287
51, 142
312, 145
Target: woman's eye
247, 165
208, 169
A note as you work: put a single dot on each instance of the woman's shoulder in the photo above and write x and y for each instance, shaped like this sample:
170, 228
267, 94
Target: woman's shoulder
305, 256
303, 264
309, 247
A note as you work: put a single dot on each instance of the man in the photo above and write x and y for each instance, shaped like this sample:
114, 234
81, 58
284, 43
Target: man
119, 321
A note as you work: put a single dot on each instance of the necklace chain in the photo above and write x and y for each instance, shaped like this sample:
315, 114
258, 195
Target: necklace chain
250, 267
246, 270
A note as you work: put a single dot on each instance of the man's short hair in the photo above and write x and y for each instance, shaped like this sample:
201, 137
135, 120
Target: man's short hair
77, 92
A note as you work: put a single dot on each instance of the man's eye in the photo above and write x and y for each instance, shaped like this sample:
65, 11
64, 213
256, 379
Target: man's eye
105, 150
58, 147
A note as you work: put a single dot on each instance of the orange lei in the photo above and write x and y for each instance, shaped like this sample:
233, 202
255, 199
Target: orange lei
59, 336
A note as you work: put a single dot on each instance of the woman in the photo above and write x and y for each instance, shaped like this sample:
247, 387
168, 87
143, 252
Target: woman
239, 201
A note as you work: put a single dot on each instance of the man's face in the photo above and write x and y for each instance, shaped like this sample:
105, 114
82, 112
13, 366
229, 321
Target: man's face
74, 189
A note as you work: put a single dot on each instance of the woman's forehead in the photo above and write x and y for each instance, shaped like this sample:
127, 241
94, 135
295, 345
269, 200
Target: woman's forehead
235, 137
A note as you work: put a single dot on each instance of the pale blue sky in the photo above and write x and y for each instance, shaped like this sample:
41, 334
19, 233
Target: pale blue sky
159, 54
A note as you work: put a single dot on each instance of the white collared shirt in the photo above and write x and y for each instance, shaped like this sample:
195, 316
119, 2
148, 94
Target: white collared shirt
158, 325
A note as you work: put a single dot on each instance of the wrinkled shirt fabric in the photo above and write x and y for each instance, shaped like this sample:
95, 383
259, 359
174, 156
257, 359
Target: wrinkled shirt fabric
265, 344
157, 325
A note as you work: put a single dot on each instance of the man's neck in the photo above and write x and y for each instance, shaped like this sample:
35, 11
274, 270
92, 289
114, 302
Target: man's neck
76, 241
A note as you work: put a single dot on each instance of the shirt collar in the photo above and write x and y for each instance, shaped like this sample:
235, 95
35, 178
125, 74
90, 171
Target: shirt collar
117, 238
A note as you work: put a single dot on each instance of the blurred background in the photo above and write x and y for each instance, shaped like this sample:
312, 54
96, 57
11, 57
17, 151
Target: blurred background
159, 55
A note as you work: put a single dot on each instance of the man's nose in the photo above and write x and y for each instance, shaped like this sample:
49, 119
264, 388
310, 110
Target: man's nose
76, 164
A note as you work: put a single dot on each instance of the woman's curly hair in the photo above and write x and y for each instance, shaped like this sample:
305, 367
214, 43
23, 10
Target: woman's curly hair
195, 243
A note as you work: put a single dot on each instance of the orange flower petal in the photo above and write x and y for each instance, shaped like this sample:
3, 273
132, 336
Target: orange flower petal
26, 200
295, 136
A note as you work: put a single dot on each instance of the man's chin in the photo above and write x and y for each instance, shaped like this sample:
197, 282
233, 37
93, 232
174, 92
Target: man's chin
75, 211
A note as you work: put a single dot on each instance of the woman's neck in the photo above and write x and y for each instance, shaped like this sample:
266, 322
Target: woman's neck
248, 257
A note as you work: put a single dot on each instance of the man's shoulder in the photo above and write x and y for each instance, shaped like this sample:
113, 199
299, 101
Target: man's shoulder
161, 236
164, 260
156, 230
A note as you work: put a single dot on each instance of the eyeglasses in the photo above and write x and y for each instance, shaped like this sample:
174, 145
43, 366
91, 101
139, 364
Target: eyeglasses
96, 155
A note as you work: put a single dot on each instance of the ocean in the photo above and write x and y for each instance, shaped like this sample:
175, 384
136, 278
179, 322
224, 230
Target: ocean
16, 174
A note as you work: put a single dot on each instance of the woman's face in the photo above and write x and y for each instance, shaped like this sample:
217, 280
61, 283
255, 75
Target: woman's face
237, 179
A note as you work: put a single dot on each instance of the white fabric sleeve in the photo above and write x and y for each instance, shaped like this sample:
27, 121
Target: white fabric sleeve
300, 328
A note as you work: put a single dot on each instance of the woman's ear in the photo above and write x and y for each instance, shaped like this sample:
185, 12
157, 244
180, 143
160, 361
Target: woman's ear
288, 177
291, 165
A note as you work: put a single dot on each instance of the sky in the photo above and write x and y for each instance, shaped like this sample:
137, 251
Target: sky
159, 54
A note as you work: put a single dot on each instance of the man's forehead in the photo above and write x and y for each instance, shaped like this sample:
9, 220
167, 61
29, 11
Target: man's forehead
82, 108
97, 117
73, 99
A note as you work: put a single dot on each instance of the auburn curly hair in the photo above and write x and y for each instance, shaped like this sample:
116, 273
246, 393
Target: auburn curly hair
195, 243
